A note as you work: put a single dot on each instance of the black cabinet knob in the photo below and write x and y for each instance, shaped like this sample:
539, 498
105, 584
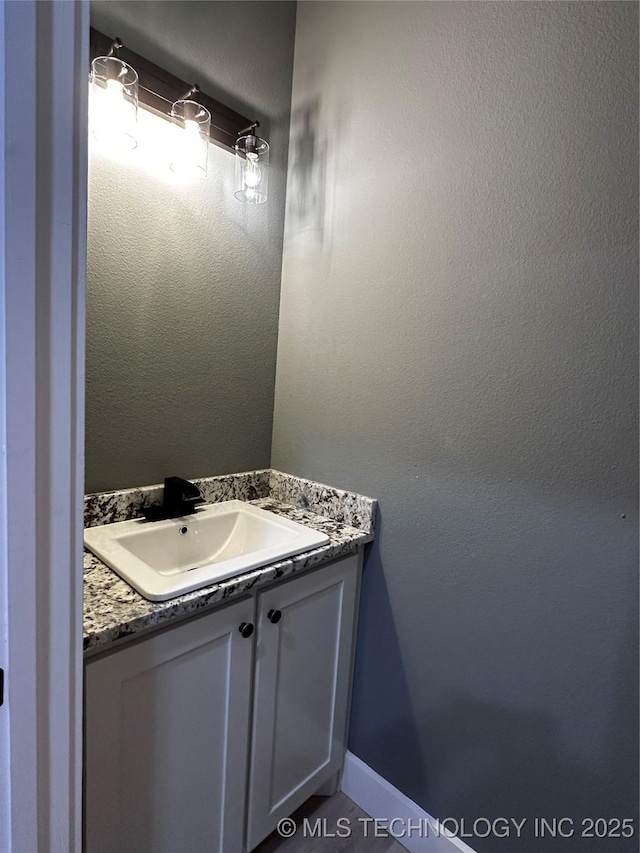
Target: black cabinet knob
246, 629
274, 616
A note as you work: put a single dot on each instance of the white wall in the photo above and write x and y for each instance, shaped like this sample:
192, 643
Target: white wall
458, 338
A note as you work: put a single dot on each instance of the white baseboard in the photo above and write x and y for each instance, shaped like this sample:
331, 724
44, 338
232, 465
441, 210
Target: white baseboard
414, 828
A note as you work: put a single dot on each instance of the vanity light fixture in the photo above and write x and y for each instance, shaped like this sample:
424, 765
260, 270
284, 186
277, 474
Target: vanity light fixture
252, 161
191, 139
115, 109
197, 117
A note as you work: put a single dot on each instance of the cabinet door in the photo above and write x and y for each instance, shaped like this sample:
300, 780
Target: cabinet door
302, 680
166, 730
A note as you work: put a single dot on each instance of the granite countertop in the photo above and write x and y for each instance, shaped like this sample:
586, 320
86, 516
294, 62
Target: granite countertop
113, 610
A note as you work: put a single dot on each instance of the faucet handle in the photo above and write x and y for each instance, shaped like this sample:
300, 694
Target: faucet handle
181, 493
180, 497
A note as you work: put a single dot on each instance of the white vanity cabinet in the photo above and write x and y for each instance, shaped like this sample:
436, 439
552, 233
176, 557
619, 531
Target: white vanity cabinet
166, 739
301, 691
173, 761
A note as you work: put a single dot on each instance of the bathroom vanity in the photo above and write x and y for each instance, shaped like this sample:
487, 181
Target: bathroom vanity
210, 717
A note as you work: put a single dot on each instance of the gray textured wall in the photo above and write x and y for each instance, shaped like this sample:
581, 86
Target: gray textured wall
183, 283
458, 338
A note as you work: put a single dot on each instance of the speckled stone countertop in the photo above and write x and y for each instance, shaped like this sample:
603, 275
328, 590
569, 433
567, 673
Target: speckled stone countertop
113, 610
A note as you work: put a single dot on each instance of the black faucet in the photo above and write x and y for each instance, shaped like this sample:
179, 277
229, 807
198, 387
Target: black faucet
180, 497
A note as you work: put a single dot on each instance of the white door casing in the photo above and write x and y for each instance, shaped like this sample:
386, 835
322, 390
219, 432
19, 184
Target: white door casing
43, 163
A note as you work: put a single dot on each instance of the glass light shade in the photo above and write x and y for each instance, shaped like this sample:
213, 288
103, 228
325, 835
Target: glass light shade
252, 173
190, 155
114, 87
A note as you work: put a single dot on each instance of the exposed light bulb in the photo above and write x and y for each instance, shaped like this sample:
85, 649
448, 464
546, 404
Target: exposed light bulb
114, 103
114, 89
252, 174
191, 145
116, 116
252, 169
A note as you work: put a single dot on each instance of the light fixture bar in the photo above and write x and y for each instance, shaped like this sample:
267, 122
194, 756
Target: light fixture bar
159, 90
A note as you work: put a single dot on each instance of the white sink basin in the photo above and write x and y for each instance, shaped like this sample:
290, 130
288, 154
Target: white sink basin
164, 559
